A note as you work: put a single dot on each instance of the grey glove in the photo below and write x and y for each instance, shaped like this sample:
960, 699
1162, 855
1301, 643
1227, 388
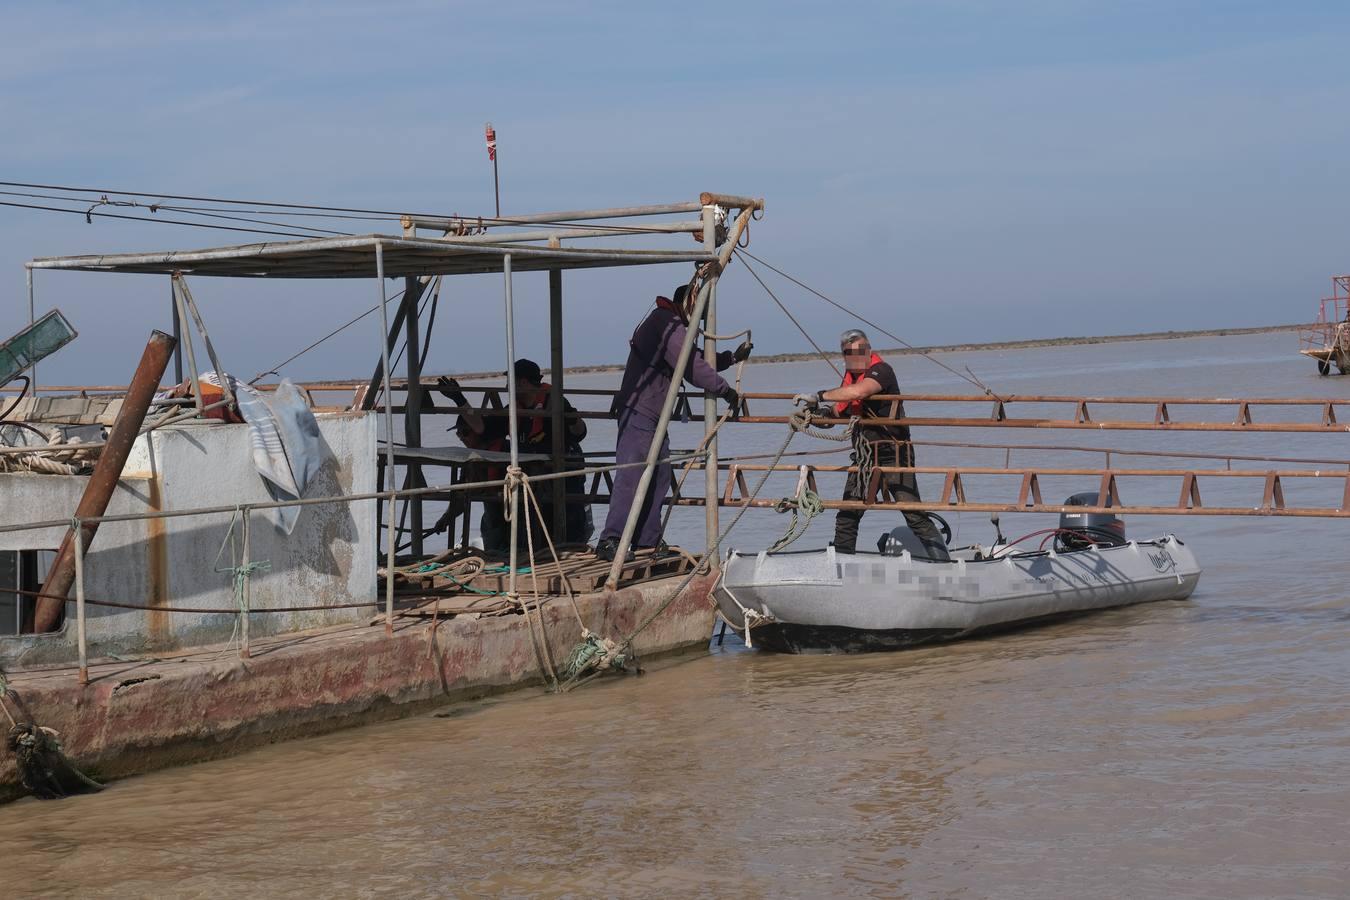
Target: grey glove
742, 353
809, 401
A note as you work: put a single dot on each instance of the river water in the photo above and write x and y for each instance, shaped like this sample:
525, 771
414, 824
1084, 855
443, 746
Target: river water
1196, 749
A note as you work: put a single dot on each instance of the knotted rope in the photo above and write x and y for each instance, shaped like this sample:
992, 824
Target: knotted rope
804, 507
43, 766
70, 459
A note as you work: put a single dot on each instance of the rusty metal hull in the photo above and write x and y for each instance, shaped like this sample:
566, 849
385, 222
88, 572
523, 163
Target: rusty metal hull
140, 715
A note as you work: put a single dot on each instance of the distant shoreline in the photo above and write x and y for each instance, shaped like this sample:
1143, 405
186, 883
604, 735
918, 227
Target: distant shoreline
1030, 344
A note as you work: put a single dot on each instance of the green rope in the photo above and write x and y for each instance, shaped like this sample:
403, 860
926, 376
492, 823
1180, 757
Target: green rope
242, 574
807, 503
473, 590
590, 652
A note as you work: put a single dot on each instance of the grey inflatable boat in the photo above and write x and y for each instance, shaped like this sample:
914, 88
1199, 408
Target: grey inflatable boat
822, 600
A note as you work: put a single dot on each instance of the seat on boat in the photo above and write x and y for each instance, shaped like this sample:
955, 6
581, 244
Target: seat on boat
902, 538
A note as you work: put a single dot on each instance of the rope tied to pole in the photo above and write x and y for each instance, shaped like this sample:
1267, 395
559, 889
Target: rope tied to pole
242, 573
804, 507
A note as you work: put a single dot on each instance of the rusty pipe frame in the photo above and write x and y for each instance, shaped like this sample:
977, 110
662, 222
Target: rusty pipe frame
1068, 424
103, 482
1053, 508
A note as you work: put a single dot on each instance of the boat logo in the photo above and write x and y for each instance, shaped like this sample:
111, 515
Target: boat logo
1162, 561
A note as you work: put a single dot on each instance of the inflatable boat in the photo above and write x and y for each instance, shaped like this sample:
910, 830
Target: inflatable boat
909, 593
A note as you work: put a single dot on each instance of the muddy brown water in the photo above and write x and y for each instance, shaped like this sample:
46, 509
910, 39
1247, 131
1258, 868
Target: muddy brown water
1196, 749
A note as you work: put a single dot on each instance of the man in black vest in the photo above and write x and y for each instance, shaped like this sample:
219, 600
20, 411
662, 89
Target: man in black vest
866, 374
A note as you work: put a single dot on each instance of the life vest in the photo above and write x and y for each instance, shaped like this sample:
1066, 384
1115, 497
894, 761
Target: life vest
847, 408
535, 429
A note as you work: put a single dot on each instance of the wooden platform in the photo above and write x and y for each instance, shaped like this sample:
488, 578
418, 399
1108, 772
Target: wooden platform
484, 593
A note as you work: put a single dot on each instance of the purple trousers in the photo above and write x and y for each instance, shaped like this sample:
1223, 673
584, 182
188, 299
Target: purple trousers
635, 439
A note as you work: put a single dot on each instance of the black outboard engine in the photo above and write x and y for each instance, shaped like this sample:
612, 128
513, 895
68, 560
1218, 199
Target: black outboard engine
1082, 530
902, 537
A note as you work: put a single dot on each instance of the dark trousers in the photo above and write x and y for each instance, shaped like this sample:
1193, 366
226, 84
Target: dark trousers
635, 439
903, 485
576, 510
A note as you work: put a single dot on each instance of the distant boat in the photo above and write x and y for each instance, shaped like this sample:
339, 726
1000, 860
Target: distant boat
1328, 339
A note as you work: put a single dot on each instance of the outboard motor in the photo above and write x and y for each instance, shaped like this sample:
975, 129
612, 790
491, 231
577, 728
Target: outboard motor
1082, 530
902, 538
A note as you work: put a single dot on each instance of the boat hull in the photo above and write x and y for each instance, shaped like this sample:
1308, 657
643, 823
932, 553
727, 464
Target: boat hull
823, 601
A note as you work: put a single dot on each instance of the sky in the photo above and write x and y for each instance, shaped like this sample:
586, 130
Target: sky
957, 171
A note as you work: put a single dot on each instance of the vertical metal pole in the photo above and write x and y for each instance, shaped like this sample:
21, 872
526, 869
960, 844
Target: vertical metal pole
98, 492
32, 318
557, 404
191, 306
79, 601
177, 334
191, 353
246, 599
412, 414
513, 419
711, 524
391, 519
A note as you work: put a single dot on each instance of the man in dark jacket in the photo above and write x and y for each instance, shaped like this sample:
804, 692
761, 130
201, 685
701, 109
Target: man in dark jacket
865, 375
653, 355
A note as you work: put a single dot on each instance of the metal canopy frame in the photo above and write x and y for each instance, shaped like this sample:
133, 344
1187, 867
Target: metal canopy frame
466, 246
354, 257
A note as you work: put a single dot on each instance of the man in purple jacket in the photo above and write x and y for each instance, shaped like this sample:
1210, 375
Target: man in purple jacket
654, 352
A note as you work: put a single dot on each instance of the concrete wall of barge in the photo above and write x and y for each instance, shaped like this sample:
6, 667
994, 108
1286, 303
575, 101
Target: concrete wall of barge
143, 715
329, 557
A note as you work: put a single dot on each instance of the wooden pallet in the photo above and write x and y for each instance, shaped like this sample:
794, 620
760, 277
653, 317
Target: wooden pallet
584, 571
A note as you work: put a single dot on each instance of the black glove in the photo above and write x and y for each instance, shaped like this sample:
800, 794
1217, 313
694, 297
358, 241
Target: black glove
451, 390
742, 353
733, 401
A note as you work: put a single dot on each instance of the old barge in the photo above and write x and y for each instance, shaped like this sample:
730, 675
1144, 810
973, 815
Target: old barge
257, 561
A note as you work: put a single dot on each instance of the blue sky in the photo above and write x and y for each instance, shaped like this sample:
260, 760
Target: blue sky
959, 170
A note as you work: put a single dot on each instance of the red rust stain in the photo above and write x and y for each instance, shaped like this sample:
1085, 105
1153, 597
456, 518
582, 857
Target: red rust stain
157, 558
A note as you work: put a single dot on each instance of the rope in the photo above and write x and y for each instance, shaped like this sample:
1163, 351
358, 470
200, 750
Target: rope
808, 504
796, 424
4, 704
43, 766
515, 480
59, 457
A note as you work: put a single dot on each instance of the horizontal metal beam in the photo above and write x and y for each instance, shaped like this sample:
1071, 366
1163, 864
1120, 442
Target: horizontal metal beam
1123, 510
509, 237
452, 223
731, 201
1069, 424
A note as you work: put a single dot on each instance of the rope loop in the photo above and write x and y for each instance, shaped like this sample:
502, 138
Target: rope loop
516, 479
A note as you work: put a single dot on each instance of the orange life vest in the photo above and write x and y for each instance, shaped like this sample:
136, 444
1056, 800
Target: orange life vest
535, 430
847, 408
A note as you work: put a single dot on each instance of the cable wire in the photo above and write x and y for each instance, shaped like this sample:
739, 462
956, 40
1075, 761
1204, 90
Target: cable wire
790, 316
968, 375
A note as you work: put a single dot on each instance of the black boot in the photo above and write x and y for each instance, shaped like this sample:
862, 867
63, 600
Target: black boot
608, 548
